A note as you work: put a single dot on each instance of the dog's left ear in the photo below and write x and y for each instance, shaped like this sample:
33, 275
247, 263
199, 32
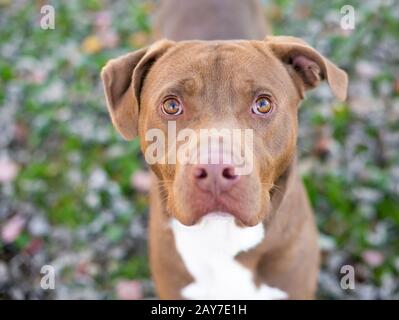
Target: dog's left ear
307, 66
122, 80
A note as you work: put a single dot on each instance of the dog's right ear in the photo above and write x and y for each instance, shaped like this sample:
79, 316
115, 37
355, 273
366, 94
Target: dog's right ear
122, 80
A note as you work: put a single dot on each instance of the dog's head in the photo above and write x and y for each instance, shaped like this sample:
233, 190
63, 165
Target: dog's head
226, 86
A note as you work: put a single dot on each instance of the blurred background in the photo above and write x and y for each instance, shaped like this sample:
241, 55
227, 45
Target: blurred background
73, 194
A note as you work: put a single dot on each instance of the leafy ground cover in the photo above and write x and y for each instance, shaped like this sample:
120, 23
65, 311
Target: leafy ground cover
72, 192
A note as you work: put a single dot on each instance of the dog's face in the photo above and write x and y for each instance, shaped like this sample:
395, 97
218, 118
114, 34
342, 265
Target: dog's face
245, 85
222, 86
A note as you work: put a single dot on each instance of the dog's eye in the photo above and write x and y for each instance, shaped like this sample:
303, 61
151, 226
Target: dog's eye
262, 106
172, 107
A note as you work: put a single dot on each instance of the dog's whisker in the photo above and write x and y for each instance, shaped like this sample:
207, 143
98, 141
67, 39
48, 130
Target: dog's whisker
163, 193
273, 187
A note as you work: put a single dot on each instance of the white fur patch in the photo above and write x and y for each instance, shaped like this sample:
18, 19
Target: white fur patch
208, 250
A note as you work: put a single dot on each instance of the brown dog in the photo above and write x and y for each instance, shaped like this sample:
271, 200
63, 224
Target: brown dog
213, 233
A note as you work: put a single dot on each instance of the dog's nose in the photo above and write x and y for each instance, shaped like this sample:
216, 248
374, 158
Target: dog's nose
215, 178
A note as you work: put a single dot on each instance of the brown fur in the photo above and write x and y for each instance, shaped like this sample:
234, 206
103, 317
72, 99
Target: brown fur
210, 20
217, 82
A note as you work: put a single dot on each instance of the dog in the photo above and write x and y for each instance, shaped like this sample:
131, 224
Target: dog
214, 234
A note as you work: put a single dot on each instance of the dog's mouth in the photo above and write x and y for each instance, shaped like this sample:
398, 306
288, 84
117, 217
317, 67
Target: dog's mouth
224, 204
249, 201
246, 208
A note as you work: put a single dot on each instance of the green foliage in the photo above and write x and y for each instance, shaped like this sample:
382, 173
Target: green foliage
76, 170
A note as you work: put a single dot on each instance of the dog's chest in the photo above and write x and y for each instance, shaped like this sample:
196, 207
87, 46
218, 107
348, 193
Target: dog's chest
208, 251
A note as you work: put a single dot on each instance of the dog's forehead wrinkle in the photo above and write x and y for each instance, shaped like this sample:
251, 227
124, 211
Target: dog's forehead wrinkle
182, 86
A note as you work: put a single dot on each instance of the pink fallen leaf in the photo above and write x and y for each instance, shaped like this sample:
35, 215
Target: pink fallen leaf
12, 228
109, 39
34, 246
8, 171
322, 146
366, 69
21, 132
141, 180
38, 76
373, 258
129, 290
103, 21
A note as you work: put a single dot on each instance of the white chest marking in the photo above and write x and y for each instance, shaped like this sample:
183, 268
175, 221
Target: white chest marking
208, 250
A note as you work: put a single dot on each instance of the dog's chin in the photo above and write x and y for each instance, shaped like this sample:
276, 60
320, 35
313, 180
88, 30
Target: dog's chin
242, 219
248, 209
